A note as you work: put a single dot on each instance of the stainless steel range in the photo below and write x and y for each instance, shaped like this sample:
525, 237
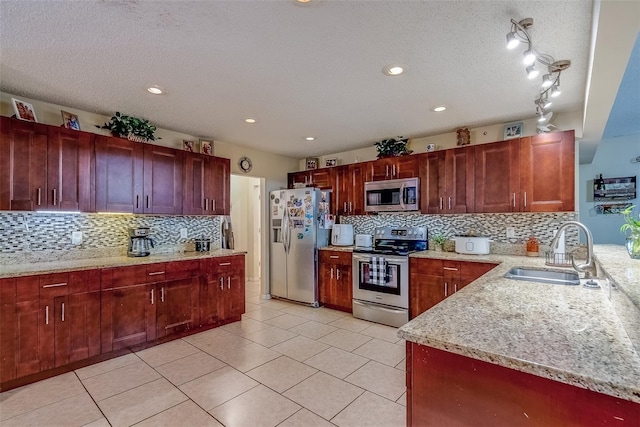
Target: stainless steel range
381, 275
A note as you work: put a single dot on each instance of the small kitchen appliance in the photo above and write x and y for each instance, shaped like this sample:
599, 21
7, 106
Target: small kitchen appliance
392, 195
140, 243
342, 235
381, 274
473, 245
203, 245
364, 241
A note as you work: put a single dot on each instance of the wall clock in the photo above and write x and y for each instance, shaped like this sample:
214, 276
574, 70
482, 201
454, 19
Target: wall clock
245, 164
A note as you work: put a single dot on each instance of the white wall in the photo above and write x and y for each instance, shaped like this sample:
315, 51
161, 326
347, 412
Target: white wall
245, 226
612, 160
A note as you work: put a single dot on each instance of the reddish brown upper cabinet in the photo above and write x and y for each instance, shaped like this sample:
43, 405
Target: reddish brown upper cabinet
497, 176
349, 189
335, 286
219, 180
447, 181
206, 185
319, 178
547, 170
44, 167
394, 168
137, 178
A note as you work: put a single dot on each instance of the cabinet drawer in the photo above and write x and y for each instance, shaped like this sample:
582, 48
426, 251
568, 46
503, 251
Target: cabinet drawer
229, 263
427, 267
54, 285
183, 269
7, 291
118, 277
335, 257
156, 272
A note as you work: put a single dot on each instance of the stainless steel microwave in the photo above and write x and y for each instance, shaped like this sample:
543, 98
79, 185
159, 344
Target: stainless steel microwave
395, 195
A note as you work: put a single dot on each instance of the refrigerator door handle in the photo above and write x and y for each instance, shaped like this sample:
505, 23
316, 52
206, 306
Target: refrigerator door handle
286, 232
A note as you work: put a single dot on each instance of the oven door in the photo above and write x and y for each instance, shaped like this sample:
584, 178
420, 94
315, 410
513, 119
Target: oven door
395, 290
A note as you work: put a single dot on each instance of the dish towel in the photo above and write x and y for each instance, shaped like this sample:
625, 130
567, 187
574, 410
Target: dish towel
377, 271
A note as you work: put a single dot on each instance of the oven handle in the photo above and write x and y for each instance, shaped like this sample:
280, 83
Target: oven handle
378, 307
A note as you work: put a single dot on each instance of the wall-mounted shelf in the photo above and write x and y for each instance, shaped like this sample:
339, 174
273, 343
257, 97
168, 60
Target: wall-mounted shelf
615, 189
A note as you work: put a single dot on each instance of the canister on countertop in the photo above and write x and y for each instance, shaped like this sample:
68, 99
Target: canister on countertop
533, 247
203, 245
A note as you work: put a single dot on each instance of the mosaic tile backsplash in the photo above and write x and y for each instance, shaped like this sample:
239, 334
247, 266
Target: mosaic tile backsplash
36, 236
540, 225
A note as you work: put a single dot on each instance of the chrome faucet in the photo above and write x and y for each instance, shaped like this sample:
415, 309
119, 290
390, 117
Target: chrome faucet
589, 268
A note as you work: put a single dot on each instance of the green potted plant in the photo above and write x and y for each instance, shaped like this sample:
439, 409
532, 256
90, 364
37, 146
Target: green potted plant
133, 128
393, 147
439, 240
631, 225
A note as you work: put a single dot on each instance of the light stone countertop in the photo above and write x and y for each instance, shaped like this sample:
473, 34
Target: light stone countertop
569, 334
17, 270
337, 248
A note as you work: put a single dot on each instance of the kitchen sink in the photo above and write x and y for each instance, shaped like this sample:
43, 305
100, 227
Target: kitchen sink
544, 276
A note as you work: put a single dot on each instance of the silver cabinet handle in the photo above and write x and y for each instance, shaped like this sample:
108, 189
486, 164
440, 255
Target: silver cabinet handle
394, 170
345, 207
387, 172
350, 207
46, 315
39, 196
514, 200
449, 202
224, 263
213, 204
137, 201
151, 296
54, 197
441, 207
446, 289
155, 273
229, 282
221, 283
332, 272
334, 256
525, 199
455, 287
147, 201
62, 312
162, 294
337, 274
55, 285
310, 179
206, 204
450, 268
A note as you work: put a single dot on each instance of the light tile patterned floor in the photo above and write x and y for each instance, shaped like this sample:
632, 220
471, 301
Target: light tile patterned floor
283, 365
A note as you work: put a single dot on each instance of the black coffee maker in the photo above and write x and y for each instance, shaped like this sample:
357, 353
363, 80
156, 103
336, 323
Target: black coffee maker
139, 242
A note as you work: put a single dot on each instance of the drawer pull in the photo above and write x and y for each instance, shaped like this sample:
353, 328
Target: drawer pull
155, 273
224, 263
450, 268
54, 285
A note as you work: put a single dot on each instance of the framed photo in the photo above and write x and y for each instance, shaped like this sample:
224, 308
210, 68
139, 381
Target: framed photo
188, 145
24, 110
70, 121
206, 147
513, 130
331, 162
312, 163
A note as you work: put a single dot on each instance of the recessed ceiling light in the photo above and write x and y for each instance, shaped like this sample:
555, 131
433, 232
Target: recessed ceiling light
303, 1
440, 108
310, 138
156, 90
393, 70
250, 120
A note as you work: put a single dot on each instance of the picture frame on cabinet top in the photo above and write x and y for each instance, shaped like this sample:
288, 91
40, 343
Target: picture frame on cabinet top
513, 130
312, 163
24, 110
331, 162
70, 120
189, 146
206, 147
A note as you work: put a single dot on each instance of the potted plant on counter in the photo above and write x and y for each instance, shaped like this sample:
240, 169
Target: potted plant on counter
633, 226
438, 241
132, 128
393, 147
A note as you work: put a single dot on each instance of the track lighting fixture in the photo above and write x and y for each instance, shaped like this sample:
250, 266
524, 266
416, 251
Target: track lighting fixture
551, 80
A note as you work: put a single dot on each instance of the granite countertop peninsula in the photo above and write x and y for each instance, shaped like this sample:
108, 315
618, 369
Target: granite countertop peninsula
27, 269
337, 248
569, 334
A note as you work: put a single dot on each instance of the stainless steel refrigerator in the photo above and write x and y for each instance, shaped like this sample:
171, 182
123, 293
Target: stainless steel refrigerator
300, 224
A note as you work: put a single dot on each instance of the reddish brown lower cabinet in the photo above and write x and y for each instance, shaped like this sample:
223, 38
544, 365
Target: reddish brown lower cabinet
177, 308
447, 389
433, 280
222, 293
335, 286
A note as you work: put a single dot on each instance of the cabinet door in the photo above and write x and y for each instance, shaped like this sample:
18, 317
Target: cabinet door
547, 172
177, 308
162, 180
381, 169
432, 182
459, 180
322, 178
497, 177
426, 285
470, 271
300, 178
451, 277
23, 165
30, 325
219, 194
128, 316
195, 183
83, 323
341, 190
358, 172
344, 287
119, 176
237, 294
8, 325
69, 170
209, 290
324, 281
406, 167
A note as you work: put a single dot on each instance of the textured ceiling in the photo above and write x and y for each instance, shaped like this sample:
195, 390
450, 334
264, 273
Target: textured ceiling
301, 70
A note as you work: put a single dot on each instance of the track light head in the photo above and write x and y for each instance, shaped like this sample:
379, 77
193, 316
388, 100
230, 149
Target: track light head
529, 57
555, 91
512, 41
547, 80
532, 73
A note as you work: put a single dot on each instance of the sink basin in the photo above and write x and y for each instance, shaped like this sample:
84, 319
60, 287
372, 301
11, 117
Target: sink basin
544, 276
